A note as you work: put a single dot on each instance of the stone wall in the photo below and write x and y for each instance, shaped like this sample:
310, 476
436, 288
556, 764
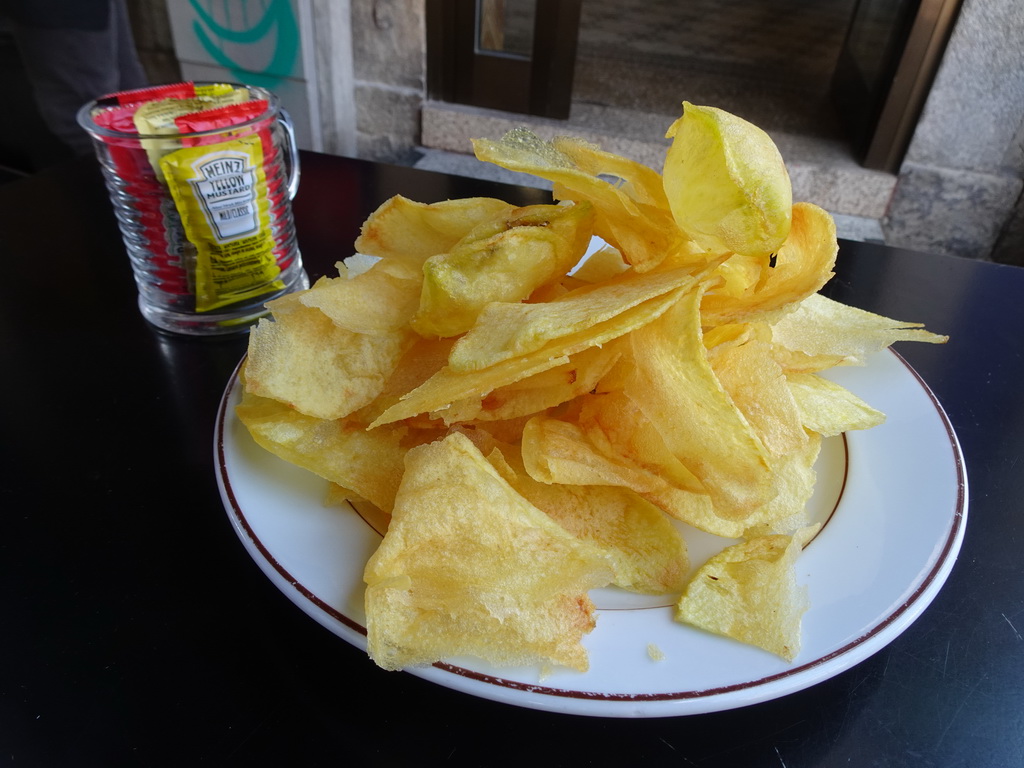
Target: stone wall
389, 59
959, 188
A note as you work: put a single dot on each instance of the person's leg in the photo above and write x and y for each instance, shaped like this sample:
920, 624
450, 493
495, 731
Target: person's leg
69, 67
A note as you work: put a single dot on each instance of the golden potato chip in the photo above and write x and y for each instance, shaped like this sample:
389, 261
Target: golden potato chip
303, 359
759, 389
505, 330
803, 264
357, 263
795, 478
647, 553
449, 385
616, 426
793, 361
643, 232
409, 232
537, 392
749, 592
740, 275
531, 247
726, 183
829, 408
720, 336
557, 451
640, 183
506, 431
634, 457
446, 386
374, 301
423, 359
677, 391
366, 464
821, 326
469, 567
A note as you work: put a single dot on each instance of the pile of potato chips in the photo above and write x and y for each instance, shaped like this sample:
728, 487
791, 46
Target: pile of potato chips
539, 417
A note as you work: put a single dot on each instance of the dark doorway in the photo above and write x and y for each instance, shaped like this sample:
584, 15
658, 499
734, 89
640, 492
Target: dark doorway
855, 71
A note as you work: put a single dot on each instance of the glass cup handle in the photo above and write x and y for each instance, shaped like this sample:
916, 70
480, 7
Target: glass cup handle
291, 154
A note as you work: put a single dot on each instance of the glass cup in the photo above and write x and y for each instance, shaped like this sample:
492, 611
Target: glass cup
205, 216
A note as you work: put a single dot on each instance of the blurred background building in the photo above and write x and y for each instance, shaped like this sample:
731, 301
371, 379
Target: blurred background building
904, 118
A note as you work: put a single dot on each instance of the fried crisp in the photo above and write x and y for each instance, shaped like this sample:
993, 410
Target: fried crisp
381, 299
802, 265
819, 326
366, 464
648, 554
506, 260
317, 367
829, 408
556, 451
726, 183
677, 391
632, 216
468, 380
407, 232
505, 330
758, 386
470, 567
538, 392
749, 592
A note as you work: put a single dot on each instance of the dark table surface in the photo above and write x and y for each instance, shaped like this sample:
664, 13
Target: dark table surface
137, 631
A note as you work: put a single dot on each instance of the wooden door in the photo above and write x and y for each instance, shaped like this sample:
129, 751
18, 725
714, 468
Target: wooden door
511, 55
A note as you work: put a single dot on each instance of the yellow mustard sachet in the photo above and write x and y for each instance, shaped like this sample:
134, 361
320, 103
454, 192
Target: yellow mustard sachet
220, 192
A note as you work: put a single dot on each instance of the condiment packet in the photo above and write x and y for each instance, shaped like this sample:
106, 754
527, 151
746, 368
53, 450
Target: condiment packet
223, 251
222, 195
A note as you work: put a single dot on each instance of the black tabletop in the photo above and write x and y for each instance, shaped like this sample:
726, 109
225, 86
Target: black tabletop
137, 631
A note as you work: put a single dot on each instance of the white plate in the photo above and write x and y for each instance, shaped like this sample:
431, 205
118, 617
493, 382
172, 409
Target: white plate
894, 499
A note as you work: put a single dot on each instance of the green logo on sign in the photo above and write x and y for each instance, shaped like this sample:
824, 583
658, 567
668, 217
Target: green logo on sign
277, 15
